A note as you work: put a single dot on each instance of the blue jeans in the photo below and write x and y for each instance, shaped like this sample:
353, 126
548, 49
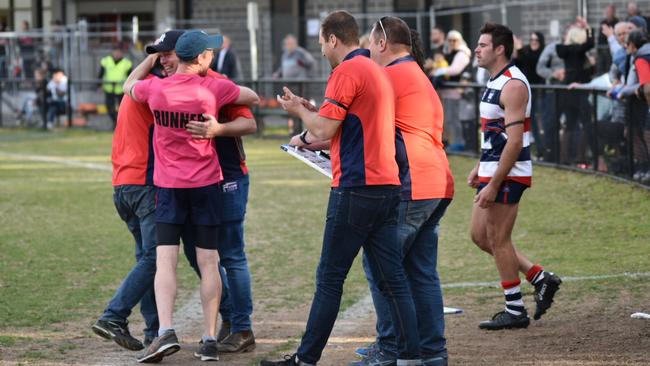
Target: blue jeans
418, 226
237, 299
360, 217
136, 206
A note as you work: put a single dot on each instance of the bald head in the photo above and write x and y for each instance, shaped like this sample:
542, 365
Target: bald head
621, 30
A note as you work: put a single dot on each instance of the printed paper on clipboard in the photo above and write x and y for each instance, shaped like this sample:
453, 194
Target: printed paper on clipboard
316, 159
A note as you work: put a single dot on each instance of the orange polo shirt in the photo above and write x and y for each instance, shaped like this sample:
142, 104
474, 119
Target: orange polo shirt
423, 164
360, 95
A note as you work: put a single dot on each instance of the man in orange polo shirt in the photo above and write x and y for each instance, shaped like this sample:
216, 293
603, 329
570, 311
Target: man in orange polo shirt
427, 190
358, 117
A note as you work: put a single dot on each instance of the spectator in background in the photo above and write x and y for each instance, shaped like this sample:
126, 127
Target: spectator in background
27, 50
526, 58
296, 63
616, 38
115, 68
3, 51
458, 56
604, 57
57, 89
437, 39
575, 105
225, 61
364, 41
551, 67
637, 108
642, 63
633, 11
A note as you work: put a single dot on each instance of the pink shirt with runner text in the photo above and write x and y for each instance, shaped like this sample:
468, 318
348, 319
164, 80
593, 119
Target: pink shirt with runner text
181, 161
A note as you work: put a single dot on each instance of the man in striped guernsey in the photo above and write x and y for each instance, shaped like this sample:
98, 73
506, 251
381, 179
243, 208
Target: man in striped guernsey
501, 176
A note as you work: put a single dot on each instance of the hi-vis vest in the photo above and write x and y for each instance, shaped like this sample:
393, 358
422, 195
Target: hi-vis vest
494, 134
115, 74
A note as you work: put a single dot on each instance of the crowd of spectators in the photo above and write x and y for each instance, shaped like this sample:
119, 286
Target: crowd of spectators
563, 73
585, 59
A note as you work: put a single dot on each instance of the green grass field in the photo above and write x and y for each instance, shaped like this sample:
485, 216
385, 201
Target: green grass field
64, 250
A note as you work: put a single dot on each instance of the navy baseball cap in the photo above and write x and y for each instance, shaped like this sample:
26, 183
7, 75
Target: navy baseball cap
639, 22
166, 42
193, 43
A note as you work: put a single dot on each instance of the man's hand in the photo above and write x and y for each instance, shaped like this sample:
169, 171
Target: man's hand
518, 43
485, 198
310, 107
296, 141
204, 130
559, 74
291, 102
607, 30
472, 178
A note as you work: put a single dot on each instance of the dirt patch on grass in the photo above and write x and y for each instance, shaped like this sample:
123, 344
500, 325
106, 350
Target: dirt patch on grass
576, 331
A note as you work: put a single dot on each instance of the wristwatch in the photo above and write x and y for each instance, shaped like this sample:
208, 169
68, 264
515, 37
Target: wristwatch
303, 138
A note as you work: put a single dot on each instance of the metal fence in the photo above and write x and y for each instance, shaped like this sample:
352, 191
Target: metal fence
579, 128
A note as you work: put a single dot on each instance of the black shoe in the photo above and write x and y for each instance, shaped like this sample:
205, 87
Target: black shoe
239, 342
162, 346
119, 332
288, 361
207, 351
505, 320
224, 331
544, 292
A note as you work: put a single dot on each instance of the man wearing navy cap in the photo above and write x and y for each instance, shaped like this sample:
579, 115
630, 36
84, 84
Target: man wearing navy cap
187, 173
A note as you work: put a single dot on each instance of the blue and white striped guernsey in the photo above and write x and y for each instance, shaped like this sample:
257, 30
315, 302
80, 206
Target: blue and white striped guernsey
493, 131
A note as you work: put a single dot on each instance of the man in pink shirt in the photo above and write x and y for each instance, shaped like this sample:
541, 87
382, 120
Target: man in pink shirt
186, 172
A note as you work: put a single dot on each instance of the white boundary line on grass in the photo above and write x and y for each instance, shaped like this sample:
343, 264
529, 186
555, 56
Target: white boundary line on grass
564, 279
53, 159
364, 306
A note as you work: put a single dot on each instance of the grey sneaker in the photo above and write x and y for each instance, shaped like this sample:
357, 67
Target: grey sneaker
364, 352
147, 341
435, 361
162, 346
118, 332
207, 351
377, 358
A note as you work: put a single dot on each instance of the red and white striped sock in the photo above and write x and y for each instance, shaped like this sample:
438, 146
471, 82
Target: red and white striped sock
535, 274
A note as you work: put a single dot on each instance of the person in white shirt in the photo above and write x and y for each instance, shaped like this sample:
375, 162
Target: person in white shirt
57, 89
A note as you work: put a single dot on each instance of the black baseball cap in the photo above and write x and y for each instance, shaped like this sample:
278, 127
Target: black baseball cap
166, 42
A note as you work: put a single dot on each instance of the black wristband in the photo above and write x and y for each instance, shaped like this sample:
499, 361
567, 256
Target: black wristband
303, 137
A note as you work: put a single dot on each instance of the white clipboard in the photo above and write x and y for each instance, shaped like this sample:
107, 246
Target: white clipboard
318, 160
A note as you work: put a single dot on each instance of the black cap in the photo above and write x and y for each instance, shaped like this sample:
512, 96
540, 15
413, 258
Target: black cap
166, 42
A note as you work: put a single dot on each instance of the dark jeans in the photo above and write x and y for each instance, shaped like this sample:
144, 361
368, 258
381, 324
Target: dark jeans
112, 104
136, 206
418, 226
536, 110
55, 108
237, 300
550, 125
361, 217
